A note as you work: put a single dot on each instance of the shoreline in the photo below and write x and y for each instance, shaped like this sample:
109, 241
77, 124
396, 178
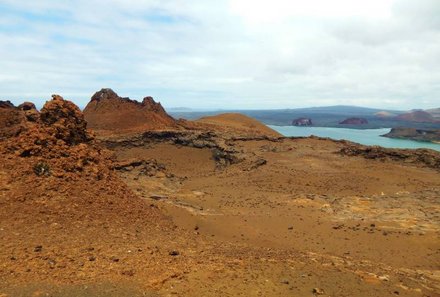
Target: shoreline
371, 137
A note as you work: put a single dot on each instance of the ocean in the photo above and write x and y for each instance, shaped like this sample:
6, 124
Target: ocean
366, 136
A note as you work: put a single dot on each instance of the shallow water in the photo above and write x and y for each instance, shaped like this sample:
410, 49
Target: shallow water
367, 136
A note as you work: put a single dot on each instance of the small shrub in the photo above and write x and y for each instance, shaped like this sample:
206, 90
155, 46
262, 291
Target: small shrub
42, 169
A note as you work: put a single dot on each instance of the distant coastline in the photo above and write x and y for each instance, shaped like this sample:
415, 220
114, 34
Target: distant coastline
332, 116
424, 135
364, 136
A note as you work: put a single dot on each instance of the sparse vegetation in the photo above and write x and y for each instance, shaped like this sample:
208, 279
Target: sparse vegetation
42, 169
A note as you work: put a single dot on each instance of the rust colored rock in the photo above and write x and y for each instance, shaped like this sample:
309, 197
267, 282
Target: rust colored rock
6, 104
58, 192
27, 106
12, 120
30, 111
65, 120
58, 138
152, 105
104, 94
109, 113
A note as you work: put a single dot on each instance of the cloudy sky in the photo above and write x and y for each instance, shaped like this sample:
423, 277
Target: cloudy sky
224, 53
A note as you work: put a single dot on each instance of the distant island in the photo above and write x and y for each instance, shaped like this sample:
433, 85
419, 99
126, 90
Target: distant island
332, 116
428, 135
354, 121
302, 122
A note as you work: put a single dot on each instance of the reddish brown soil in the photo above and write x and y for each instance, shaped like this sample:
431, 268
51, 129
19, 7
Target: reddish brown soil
227, 123
310, 216
193, 212
66, 216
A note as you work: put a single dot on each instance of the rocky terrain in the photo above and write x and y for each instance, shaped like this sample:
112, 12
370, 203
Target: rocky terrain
222, 206
430, 135
109, 113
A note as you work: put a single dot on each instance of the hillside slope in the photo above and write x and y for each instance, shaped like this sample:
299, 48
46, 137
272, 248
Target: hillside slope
238, 122
109, 113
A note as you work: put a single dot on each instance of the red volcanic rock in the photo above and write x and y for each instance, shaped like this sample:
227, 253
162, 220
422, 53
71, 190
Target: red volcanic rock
65, 120
27, 106
12, 120
108, 112
152, 105
57, 142
354, 121
30, 111
58, 188
302, 122
6, 104
419, 116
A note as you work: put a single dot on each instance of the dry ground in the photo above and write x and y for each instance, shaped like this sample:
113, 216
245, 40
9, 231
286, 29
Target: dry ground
308, 218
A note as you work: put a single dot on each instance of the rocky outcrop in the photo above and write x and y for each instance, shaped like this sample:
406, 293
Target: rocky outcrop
354, 121
224, 150
302, 122
430, 135
222, 153
59, 174
55, 141
60, 197
418, 116
65, 121
424, 157
107, 112
30, 111
12, 120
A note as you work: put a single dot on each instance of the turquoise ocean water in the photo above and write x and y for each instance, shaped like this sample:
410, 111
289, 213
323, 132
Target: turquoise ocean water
367, 136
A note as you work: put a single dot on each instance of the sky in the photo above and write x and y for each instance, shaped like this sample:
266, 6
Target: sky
224, 54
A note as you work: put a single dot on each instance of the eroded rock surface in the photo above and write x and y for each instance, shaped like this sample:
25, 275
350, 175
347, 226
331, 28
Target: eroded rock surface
12, 120
110, 114
424, 157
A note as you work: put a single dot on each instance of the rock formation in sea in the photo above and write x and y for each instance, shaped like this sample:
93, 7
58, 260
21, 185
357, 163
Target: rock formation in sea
302, 122
431, 135
354, 121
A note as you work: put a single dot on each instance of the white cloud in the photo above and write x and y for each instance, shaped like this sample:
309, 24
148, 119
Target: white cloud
224, 54
262, 11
